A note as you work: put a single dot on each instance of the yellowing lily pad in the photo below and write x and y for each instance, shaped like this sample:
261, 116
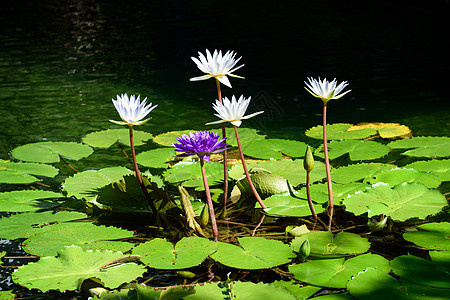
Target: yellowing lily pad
339, 131
385, 130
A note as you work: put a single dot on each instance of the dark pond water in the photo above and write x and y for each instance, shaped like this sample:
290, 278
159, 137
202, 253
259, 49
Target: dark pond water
62, 62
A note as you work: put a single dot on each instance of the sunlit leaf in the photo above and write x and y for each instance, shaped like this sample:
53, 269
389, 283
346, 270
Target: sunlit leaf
156, 158
49, 152
26, 224
246, 135
423, 292
274, 148
7, 295
437, 167
170, 293
72, 265
401, 202
188, 252
106, 138
258, 291
301, 292
166, 139
358, 172
265, 184
385, 130
289, 205
208, 290
256, 253
184, 171
319, 191
28, 200
375, 283
85, 235
18, 172
424, 146
337, 272
401, 175
434, 236
339, 131
357, 150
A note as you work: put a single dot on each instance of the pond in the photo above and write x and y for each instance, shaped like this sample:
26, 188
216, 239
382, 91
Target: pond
61, 64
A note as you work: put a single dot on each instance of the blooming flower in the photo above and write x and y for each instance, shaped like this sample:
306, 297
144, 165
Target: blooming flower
232, 111
324, 89
217, 66
132, 110
201, 143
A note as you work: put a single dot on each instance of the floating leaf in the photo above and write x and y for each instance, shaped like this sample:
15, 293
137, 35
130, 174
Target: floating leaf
7, 295
319, 191
184, 171
170, 293
374, 283
156, 158
246, 135
18, 172
401, 175
339, 131
402, 202
358, 150
106, 138
301, 292
49, 152
265, 184
358, 172
256, 253
424, 146
274, 148
73, 265
291, 170
336, 272
188, 252
26, 224
422, 271
85, 235
28, 200
88, 183
324, 244
385, 130
439, 168
258, 291
210, 291
288, 205
166, 139
434, 236
422, 292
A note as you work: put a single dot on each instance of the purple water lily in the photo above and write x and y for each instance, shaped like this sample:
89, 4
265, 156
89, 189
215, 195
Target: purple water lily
201, 143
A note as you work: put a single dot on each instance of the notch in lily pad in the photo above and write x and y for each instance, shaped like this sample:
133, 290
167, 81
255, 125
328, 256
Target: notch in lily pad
107, 138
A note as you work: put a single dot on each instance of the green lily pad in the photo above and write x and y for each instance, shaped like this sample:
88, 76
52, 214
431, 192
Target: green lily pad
301, 292
26, 224
424, 146
210, 291
22, 173
375, 283
438, 167
265, 184
357, 150
171, 293
188, 252
184, 171
258, 291
73, 265
319, 191
323, 244
7, 295
435, 236
166, 139
422, 271
291, 170
274, 148
288, 205
256, 253
28, 200
358, 172
88, 183
339, 131
335, 273
85, 235
49, 152
422, 292
402, 202
156, 158
246, 135
401, 175
107, 138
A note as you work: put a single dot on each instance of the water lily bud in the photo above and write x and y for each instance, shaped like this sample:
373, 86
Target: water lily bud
375, 225
308, 162
305, 249
186, 274
204, 216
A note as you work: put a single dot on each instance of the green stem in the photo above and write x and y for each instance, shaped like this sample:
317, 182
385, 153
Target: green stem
244, 165
225, 155
138, 175
327, 166
209, 200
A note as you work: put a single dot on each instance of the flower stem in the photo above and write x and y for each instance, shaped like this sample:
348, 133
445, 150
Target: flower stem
308, 195
327, 166
210, 203
138, 175
224, 153
244, 165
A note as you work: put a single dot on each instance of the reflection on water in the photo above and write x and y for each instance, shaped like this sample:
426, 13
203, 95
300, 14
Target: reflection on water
60, 65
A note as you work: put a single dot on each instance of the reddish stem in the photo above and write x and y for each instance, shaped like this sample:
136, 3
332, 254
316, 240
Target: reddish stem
244, 165
224, 153
308, 195
210, 203
138, 175
327, 166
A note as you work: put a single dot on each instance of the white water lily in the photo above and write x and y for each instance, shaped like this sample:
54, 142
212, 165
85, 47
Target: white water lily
325, 90
217, 66
132, 110
232, 111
